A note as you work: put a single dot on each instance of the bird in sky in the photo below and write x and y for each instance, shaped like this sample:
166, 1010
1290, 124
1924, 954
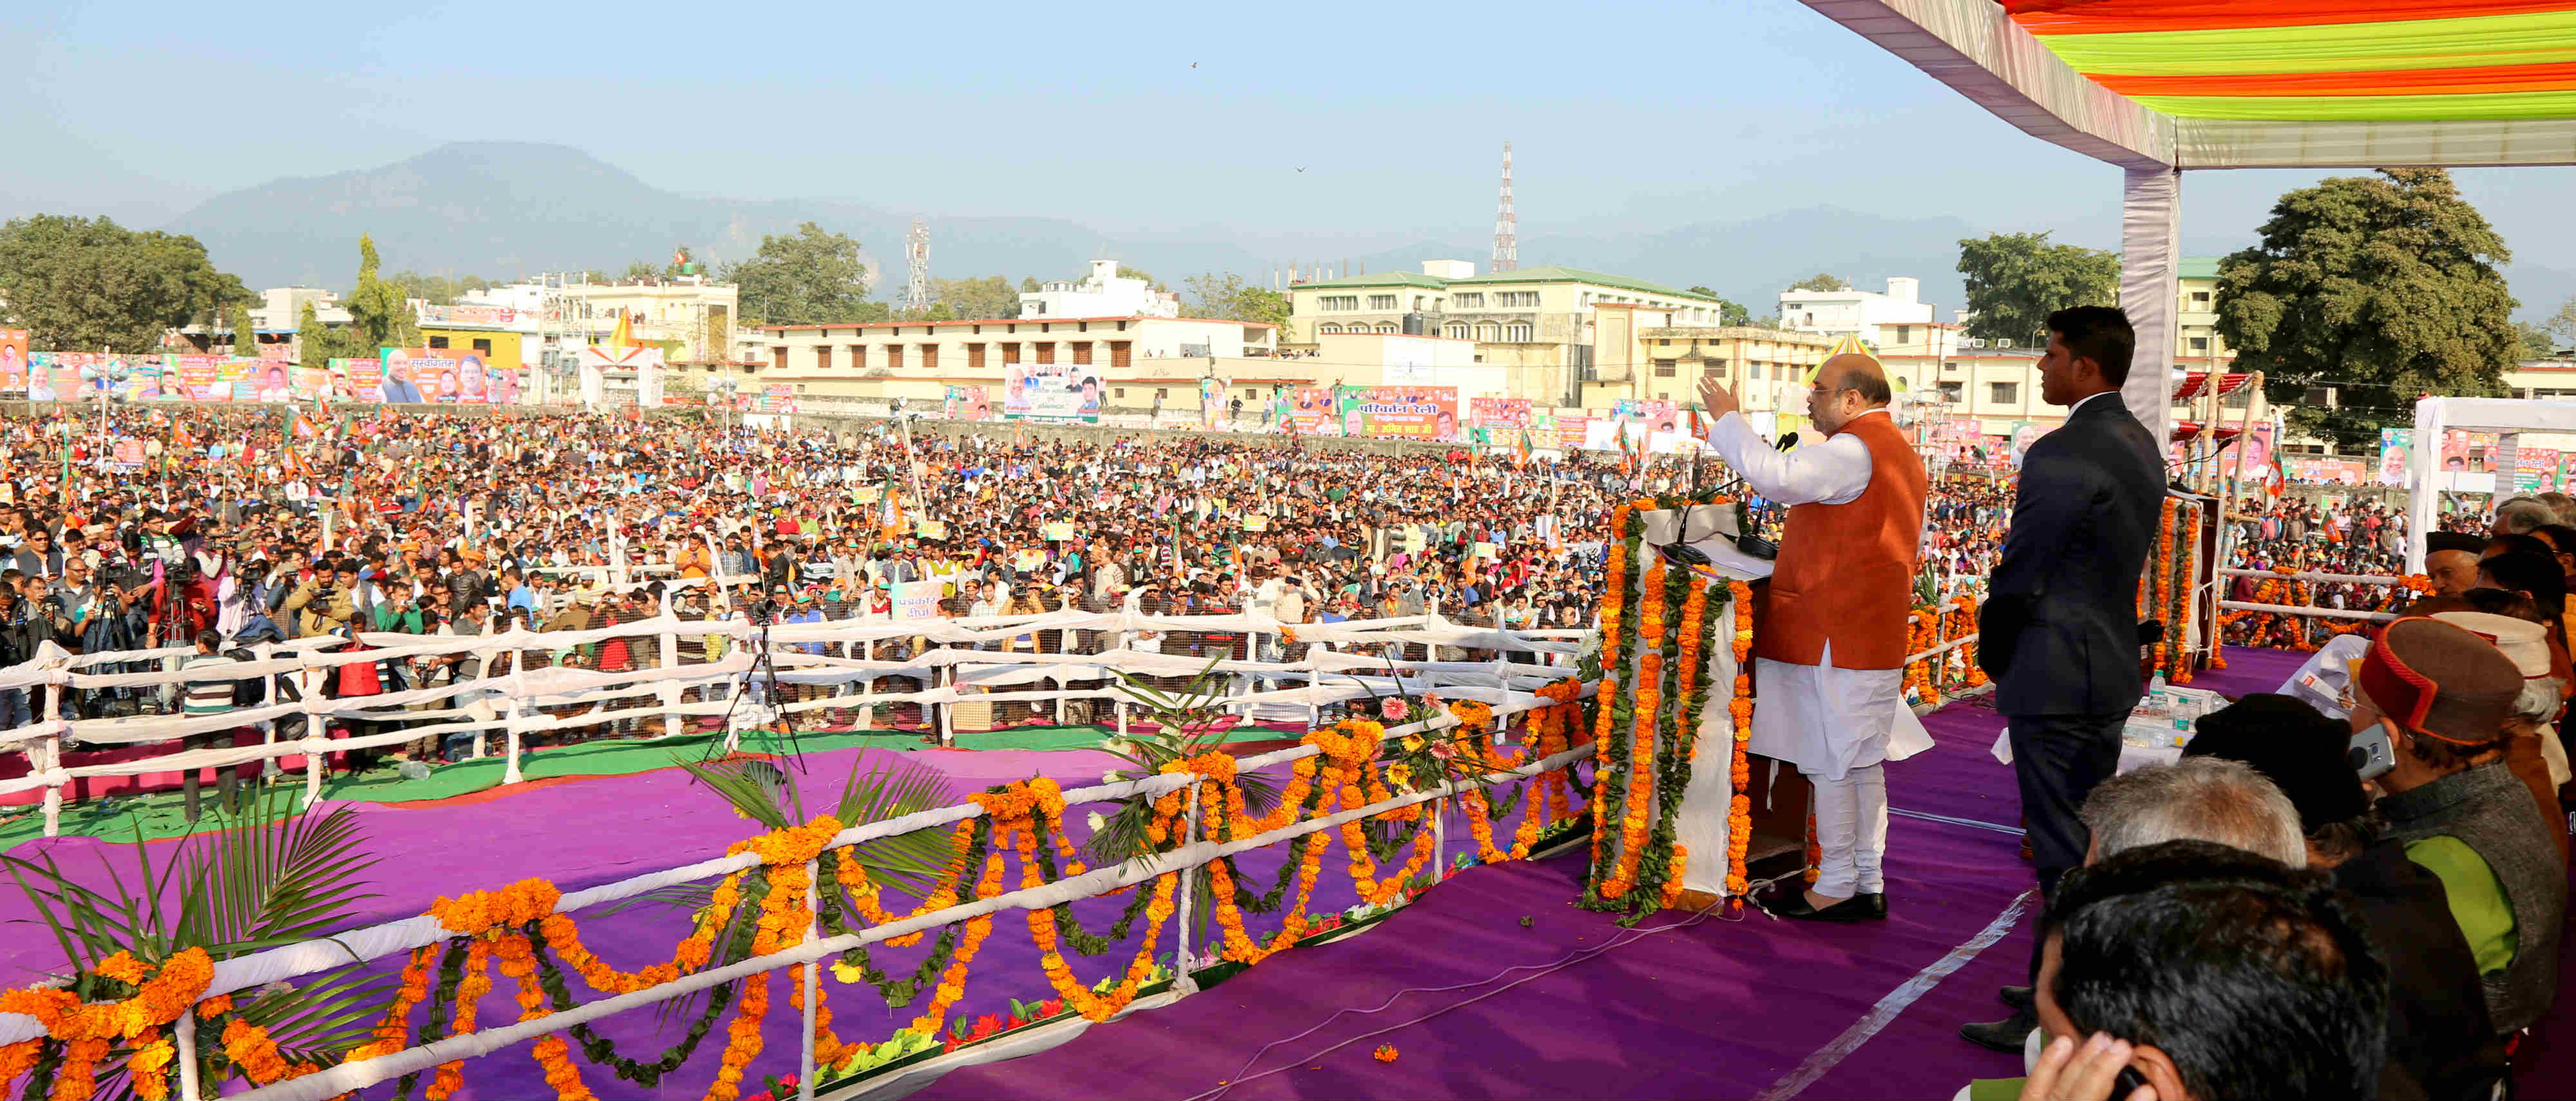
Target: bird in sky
1301, 169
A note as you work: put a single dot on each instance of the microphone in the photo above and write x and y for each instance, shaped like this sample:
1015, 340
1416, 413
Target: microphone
1787, 440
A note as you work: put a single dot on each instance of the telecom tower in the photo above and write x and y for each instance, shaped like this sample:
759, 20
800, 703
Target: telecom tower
916, 249
1507, 242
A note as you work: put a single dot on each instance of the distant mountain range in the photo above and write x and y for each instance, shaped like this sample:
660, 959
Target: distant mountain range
503, 210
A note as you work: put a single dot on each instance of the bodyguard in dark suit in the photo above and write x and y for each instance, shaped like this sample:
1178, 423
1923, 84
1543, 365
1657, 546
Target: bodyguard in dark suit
2059, 632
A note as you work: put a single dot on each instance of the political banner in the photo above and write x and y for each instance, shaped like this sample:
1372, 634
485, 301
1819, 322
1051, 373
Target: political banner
2465, 452
400, 381
2536, 470
1314, 411
916, 599
931, 529
1211, 401
1401, 412
1056, 531
2396, 449
2325, 471
54, 376
1570, 428
192, 378
361, 380
474, 381
1491, 413
776, 397
2024, 434
1052, 391
129, 452
968, 403
1655, 416
13, 363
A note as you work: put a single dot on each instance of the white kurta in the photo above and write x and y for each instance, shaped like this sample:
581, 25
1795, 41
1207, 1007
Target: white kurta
1824, 720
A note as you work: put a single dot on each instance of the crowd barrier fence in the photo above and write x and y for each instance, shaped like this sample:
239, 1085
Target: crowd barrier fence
1499, 683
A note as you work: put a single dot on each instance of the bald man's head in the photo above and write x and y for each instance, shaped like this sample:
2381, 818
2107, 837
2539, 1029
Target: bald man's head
1853, 371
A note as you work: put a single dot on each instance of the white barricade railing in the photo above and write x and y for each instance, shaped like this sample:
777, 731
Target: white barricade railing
399, 937
512, 704
2309, 611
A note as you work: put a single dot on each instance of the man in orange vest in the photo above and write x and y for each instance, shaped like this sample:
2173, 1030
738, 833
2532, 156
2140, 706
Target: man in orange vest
1829, 659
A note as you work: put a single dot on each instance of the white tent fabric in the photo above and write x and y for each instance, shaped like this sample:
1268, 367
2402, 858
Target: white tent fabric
2150, 289
2434, 416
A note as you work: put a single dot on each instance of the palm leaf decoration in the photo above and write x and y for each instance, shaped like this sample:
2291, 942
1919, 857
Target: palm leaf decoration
770, 796
1191, 722
268, 875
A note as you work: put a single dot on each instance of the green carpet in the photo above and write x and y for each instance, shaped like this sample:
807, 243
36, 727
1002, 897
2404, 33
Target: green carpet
162, 814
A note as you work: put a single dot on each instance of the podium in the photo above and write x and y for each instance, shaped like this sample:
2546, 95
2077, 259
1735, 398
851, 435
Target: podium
1687, 607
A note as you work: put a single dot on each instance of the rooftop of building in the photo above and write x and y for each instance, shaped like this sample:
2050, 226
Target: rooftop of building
784, 329
1544, 273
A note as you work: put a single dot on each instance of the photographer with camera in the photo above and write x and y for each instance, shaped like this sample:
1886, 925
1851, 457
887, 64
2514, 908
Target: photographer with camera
326, 602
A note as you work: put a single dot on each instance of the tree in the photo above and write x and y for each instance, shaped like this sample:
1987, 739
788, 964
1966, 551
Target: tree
380, 311
437, 290
318, 344
2015, 280
2535, 340
245, 341
82, 284
1125, 272
1821, 281
1028, 284
1729, 312
802, 279
640, 271
1228, 298
2383, 287
989, 297
314, 345
2562, 324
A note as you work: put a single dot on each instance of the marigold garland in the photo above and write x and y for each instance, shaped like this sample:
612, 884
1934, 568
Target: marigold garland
1739, 814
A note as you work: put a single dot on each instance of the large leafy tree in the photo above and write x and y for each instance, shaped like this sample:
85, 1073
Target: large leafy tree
1821, 281
83, 284
804, 278
990, 296
2015, 280
380, 309
2383, 287
1228, 298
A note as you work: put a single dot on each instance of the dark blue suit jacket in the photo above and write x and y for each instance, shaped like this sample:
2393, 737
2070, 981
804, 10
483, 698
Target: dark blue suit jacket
2060, 624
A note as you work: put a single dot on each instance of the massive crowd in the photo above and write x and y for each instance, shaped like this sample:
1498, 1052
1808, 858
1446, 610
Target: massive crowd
251, 525
2251, 923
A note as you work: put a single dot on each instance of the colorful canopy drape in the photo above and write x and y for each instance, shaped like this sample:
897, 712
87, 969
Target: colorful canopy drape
2320, 60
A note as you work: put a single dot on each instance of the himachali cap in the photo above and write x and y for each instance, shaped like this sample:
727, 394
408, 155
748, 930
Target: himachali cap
2524, 642
2439, 680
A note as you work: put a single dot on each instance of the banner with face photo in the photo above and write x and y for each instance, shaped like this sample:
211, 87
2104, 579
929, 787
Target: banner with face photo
13, 363
1068, 392
1313, 412
1401, 412
361, 380
2396, 447
1509, 413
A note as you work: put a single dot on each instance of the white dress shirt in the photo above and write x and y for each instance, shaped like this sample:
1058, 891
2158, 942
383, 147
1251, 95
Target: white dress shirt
1832, 471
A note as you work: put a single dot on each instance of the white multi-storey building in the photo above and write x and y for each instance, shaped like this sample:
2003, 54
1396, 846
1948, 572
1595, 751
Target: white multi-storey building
1104, 293
1856, 313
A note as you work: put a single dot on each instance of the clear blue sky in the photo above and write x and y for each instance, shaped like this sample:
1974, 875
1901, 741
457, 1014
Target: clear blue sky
1624, 117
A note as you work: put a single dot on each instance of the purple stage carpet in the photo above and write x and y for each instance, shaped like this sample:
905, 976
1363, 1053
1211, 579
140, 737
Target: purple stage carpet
1475, 1002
